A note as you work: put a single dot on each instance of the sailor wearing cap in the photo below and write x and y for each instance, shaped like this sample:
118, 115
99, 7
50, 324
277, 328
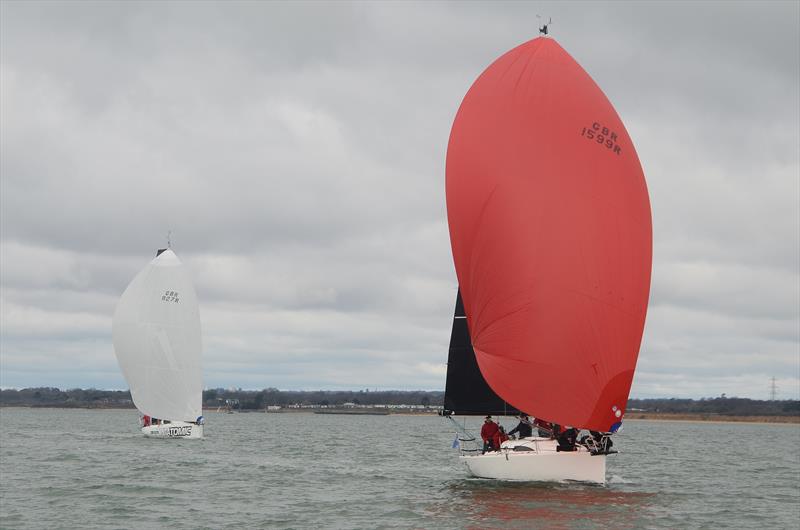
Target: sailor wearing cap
488, 431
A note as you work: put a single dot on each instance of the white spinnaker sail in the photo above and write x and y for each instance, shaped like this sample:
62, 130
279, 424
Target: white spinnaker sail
156, 332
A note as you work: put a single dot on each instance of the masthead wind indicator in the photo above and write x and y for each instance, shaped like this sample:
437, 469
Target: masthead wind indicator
543, 29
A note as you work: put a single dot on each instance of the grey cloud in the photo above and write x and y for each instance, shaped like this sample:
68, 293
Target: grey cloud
297, 152
730, 290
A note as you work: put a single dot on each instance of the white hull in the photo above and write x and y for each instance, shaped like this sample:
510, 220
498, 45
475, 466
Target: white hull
175, 429
537, 461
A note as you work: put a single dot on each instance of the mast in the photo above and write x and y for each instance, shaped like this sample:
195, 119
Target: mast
545, 28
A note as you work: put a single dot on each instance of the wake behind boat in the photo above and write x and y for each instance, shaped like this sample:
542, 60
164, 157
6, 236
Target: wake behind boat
550, 229
156, 331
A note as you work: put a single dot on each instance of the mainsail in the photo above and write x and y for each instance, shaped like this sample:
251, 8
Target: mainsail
550, 229
466, 391
156, 331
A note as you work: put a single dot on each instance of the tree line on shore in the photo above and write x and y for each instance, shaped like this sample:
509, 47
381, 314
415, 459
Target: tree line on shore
218, 397
272, 397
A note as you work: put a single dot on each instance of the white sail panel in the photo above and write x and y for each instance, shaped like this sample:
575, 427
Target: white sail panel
156, 331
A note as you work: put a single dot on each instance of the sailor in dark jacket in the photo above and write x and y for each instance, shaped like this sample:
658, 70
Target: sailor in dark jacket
567, 439
523, 428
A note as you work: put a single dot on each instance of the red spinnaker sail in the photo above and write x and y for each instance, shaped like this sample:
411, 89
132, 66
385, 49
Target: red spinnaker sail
551, 234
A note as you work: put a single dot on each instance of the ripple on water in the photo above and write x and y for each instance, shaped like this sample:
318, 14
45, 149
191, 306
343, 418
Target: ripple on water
309, 471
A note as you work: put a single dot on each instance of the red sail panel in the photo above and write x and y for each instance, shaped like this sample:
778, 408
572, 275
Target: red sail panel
551, 235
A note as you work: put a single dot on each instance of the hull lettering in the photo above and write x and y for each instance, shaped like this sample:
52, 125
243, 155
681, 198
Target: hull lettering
185, 430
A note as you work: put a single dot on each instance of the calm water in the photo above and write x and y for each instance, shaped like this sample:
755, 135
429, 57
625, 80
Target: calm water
91, 469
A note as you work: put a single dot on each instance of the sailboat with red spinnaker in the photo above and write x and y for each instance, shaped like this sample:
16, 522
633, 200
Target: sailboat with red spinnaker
550, 228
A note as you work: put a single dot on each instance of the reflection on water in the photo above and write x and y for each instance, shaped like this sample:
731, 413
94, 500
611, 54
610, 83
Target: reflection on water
488, 503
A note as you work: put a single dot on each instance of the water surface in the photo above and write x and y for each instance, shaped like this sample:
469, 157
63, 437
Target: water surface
92, 469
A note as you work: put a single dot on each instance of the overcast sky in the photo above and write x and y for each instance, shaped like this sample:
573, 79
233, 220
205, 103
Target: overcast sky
296, 152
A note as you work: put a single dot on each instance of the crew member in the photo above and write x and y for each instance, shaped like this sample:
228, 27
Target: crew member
499, 437
567, 439
523, 428
488, 431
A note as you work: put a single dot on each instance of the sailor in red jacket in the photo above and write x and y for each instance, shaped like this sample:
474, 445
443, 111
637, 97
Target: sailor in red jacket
499, 437
488, 431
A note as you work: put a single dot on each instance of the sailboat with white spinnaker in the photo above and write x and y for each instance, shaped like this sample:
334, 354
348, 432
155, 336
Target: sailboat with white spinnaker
156, 332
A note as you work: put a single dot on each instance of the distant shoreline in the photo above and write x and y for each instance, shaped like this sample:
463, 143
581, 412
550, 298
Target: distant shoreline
215, 410
704, 417
634, 416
